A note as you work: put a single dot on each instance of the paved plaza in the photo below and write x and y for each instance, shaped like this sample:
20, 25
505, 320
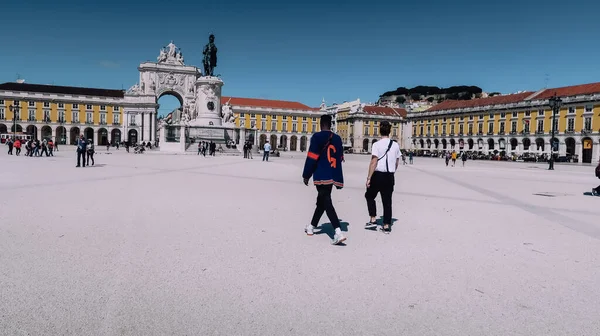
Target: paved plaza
184, 245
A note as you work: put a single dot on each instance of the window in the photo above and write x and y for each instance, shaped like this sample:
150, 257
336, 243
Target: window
116, 108
116, 119
314, 120
294, 118
263, 116
452, 118
47, 116
443, 129
367, 122
17, 115
428, 129
513, 127
421, 130
461, 128
366, 131
443, 119
470, 117
452, 129
304, 128
514, 114
480, 127
31, 115
252, 116
589, 108
102, 107
1, 101
75, 106
502, 127
61, 116
46, 104
61, 105
303, 118
314, 127
273, 125
526, 126
75, 117
2, 116
102, 118
502, 115
243, 123
88, 107
491, 116
571, 109
540, 112
527, 113
587, 124
31, 104
89, 118
436, 129
252, 123
263, 125
462, 118
571, 125
284, 127
16, 103
490, 128
375, 131
470, 128
242, 115
540, 126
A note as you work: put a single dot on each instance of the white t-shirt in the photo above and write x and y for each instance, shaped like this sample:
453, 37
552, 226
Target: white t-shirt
267, 147
379, 149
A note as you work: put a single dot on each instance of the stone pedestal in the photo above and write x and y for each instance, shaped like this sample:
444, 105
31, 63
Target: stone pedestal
208, 102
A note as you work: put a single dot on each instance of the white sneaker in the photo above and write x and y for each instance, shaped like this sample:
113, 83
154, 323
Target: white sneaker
338, 238
310, 230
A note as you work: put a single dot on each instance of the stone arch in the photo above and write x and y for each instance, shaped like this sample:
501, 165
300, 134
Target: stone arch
444, 143
74, 135
273, 141
32, 130
132, 137
19, 128
490, 144
283, 142
452, 143
88, 133
436, 143
293, 143
61, 135
46, 132
102, 137
262, 141
513, 144
587, 145
570, 144
3, 129
115, 136
501, 144
526, 144
365, 145
539, 144
471, 143
428, 143
422, 143
480, 143
303, 140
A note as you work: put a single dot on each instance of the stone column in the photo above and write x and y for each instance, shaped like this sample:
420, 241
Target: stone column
579, 150
39, 132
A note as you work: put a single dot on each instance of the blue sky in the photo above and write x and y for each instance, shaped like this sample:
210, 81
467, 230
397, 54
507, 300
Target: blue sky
304, 51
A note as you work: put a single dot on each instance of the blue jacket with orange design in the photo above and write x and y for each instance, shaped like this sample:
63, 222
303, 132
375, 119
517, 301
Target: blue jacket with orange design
324, 159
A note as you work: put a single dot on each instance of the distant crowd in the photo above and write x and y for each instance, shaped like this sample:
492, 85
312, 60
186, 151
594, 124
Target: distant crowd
32, 147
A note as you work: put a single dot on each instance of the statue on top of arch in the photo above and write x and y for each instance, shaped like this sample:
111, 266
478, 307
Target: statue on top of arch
170, 55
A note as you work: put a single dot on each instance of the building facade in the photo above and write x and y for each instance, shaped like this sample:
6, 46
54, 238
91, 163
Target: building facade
514, 124
286, 125
358, 124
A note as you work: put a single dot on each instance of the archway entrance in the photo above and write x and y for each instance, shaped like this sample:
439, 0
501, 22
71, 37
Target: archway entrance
61, 135
3, 129
115, 136
470, 142
428, 143
19, 128
303, 143
47, 133
539, 143
436, 143
32, 130
570, 144
88, 133
444, 143
526, 144
588, 146
132, 137
452, 143
293, 144
513, 144
102, 137
284, 143
262, 141
74, 135
491, 144
365, 146
273, 141
421, 142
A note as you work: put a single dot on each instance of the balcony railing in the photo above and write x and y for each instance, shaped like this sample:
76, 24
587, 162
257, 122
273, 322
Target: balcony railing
539, 132
46, 119
76, 121
571, 131
490, 133
513, 132
60, 120
89, 122
501, 133
470, 133
132, 124
103, 123
451, 133
524, 132
480, 133
31, 119
116, 123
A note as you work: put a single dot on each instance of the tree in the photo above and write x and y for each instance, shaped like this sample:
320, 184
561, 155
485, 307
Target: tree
415, 96
430, 99
400, 100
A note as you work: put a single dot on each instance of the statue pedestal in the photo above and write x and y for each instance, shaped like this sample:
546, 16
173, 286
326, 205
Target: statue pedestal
208, 102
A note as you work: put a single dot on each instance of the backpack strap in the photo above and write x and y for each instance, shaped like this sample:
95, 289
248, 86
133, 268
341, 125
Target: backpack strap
387, 168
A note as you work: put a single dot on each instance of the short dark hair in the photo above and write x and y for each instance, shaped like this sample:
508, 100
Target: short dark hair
326, 121
384, 128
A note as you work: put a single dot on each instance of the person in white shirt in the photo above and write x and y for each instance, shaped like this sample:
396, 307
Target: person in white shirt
384, 162
267, 150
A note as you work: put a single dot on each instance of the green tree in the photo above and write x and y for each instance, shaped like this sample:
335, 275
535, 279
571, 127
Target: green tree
400, 99
415, 96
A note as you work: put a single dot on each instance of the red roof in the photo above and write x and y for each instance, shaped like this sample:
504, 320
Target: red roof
495, 100
384, 111
569, 91
267, 103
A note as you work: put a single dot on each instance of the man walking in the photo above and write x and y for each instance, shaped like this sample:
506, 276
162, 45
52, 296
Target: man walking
324, 165
81, 151
267, 151
380, 179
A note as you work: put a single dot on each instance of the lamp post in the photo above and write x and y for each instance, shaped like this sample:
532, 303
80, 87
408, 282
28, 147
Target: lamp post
555, 103
15, 110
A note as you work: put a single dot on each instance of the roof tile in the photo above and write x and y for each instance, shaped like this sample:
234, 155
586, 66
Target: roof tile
70, 90
267, 103
385, 111
495, 100
569, 91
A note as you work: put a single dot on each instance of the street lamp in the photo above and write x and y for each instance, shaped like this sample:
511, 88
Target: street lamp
555, 103
15, 110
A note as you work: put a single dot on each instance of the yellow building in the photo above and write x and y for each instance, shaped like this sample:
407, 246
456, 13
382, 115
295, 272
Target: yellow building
358, 124
61, 113
516, 123
287, 125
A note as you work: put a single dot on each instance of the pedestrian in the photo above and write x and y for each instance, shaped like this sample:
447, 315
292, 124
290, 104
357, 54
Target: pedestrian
250, 150
453, 158
90, 151
108, 146
596, 191
464, 158
81, 148
17, 146
44, 148
266, 151
324, 165
10, 145
447, 158
199, 147
385, 158
51, 147
410, 157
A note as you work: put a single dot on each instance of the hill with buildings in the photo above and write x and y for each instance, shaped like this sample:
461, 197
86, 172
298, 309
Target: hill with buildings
432, 94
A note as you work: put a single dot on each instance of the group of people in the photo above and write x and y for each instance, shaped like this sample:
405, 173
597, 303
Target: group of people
85, 149
32, 147
248, 150
205, 146
453, 156
324, 165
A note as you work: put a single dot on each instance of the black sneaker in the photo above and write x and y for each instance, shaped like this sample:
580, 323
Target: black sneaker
594, 192
370, 225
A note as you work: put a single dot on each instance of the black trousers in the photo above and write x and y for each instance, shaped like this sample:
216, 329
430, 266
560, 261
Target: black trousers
80, 156
324, 204
381, 183
90, 155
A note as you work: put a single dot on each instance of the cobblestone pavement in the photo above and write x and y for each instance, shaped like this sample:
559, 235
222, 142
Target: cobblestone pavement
186, 245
